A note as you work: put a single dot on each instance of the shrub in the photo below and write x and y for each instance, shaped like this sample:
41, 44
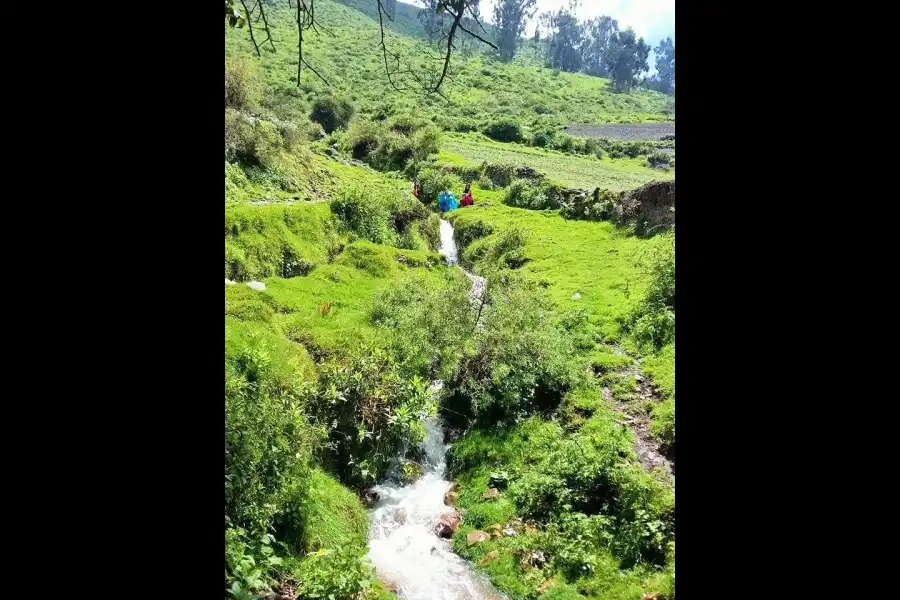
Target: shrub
501, 174
339, 573
363, 138
504, 130
430, 322
243, 87
433, 182
524, 194
391, 148
485, 183
268, 442
659, 159
366, 213
250, 141
521, 361
331, 113
371, 411
544, 138
564, 143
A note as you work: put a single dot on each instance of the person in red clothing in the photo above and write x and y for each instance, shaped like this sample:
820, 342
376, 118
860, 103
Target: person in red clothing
467, 196
416, 189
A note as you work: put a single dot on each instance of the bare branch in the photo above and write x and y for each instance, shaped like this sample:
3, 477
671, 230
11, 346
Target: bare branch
265, 19
310, 67
478, 37
453, 27
250, 26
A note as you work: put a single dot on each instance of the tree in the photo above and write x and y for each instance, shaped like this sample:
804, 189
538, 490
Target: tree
598, 34
626, 59
664, 80
510, 17
566, 36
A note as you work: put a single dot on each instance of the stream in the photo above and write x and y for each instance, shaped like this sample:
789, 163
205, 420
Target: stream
403, 547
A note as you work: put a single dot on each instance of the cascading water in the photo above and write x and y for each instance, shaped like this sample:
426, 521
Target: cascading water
403, 545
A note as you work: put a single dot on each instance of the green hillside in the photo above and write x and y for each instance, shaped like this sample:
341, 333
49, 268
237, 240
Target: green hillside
339, 313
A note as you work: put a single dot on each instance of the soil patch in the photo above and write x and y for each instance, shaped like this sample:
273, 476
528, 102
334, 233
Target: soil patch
622, 131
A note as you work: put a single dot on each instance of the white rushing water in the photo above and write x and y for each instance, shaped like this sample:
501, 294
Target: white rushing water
403, 546
448, 244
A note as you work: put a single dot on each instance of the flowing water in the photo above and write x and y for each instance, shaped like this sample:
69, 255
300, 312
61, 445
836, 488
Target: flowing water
403, 546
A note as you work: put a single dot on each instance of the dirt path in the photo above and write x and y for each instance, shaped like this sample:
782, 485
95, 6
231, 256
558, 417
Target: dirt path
650, 452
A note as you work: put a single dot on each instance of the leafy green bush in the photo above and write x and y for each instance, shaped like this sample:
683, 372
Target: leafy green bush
429, 323
366, 213
659, 159
331, 113
268, 441
520, 361
371, 412
243, 87
391, 147
468, 231
504, 130
543, 138
501, 174
433, 182
339, 574
250, 141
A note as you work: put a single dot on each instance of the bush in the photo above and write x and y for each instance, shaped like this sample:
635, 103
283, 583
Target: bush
331, 113
371, 412
524, 194
433, 182
243, 87
659, 159
363, 138
429, 322
544, 138
391, 148
504, 130
268, 442
501, 174
521, 361
564, 143
339, 573
366, 213
250, 141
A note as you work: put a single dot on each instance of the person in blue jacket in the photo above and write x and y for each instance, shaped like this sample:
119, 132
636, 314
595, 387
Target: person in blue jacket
447, 201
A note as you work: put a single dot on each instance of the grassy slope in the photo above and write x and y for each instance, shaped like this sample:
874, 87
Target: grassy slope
481, 88
589, 258
572, 170
593, 259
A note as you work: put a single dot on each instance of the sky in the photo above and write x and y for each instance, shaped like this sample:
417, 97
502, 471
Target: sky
652, 20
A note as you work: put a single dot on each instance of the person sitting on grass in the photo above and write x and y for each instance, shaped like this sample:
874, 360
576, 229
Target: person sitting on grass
447, 201
467, 199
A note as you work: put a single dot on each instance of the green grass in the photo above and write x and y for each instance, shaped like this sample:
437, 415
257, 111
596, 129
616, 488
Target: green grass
571, 170
593, 259
328, 309
599, 262
522, 450
334, 517
481, 88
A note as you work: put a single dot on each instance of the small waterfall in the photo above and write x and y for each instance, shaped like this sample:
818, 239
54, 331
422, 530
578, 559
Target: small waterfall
403, 546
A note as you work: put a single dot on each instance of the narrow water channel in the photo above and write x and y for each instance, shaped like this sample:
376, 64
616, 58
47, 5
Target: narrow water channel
403, 546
